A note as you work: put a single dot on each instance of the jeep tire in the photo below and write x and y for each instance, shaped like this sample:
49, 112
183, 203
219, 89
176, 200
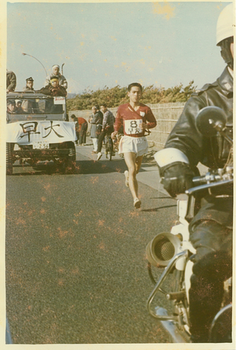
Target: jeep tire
9, 158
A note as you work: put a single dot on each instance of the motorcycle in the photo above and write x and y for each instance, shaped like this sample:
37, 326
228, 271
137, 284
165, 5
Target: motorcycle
172, 250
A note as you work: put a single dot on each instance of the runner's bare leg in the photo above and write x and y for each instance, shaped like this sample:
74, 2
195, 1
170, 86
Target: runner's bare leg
133, 163
138, 163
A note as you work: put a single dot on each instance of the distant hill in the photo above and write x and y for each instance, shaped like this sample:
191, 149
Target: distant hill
70, 95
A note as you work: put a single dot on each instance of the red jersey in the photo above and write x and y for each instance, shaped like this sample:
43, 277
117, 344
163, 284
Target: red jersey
80, 121
132, 120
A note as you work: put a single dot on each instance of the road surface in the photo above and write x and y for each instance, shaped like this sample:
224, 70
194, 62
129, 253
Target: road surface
76, 271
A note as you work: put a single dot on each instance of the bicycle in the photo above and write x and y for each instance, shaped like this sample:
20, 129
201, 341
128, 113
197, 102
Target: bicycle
108, 144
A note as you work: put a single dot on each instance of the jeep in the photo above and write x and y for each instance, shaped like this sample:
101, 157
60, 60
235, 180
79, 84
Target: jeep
38, 130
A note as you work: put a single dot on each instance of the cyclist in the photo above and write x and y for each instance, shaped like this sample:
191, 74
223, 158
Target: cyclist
107, 128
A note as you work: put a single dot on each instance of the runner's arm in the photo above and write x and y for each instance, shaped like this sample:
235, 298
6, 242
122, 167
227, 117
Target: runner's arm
118, 122
150, 120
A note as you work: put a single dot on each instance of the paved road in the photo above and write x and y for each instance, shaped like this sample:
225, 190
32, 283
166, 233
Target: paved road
75, 254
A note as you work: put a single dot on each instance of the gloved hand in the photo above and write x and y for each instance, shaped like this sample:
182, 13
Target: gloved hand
177, 178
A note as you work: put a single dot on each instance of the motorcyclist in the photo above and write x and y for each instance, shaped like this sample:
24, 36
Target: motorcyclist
211, 226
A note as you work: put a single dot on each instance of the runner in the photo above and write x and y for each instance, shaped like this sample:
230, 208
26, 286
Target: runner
136, 118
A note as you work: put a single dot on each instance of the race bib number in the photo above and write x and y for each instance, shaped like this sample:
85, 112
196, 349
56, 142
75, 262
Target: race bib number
133, 126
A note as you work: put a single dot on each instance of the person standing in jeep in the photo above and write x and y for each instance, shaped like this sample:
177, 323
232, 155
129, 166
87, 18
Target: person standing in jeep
56, 73
11, 81
29, 85
53, 88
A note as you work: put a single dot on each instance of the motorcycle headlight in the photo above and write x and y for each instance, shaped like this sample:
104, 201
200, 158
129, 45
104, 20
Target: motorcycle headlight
162, 248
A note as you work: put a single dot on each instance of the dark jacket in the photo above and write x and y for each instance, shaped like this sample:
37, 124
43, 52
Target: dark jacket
50, 90
27, 89
185, 135
11, 81
96, 124
198, 148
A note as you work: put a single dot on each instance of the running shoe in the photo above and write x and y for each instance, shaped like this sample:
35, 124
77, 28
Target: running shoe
137, 203
126, 178
99, 155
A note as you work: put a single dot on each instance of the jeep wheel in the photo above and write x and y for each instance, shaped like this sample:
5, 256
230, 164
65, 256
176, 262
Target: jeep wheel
70, 166
69, 163
9, 158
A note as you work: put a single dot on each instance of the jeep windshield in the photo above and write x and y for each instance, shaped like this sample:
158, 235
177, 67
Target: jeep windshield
35, 106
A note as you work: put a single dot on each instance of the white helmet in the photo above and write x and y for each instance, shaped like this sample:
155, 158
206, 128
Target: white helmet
225, 24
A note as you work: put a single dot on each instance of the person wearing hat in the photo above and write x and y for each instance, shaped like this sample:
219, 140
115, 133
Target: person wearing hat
11, 81
29, 84
211, 228
56, 73
53, 88
11, 106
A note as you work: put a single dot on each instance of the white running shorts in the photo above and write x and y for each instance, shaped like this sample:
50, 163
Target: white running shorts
138, 145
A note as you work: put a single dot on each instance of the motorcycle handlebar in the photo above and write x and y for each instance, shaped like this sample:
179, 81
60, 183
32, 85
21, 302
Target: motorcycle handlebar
210, 180
199, 180
210, 177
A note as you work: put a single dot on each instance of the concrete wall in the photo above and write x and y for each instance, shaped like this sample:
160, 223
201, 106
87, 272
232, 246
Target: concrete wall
166, 115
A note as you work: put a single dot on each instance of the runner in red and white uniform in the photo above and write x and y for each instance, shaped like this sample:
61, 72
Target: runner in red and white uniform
135, 118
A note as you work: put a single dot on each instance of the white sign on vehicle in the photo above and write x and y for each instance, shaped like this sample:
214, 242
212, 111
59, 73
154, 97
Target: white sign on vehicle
40, 132
59, 100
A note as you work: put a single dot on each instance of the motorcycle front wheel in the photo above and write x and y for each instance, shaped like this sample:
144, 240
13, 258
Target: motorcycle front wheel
221, 328
180, 303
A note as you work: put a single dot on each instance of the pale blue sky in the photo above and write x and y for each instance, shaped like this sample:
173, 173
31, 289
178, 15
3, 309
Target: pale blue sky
109, 44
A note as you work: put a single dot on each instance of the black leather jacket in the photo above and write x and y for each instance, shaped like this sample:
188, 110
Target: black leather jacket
210, 152
185, 135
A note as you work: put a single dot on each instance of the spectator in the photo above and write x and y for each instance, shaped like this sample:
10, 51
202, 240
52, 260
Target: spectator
83, 125
53, 88
107, 128
55, 73
11, 81
29, 85
74, 118
89, 126
81, 128
96, 126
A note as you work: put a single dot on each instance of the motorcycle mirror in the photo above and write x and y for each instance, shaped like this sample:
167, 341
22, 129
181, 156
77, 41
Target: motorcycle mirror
210, 120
